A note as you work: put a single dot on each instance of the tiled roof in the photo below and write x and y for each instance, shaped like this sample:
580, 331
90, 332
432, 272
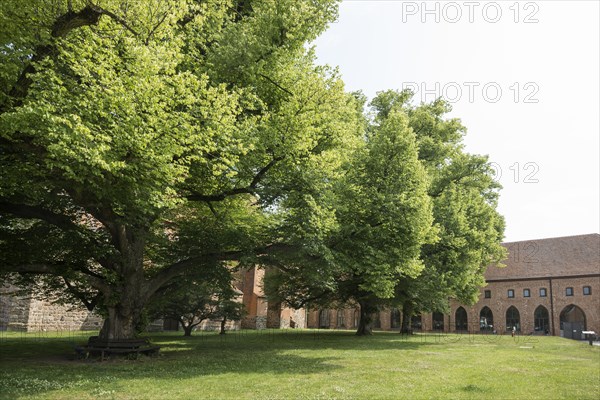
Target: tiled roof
552, 257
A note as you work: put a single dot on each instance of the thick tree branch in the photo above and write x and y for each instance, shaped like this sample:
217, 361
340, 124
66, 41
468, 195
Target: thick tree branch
53, 269
89, 272
116, 18
36, 212
63, 25
220, 196
178, 268
228, 193
59, 269
81, 296
102, 219
308, 300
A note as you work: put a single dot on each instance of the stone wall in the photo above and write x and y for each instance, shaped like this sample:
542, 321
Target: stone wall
45, 316
215, 325
14, 311
255, 322
297, 319
19, 313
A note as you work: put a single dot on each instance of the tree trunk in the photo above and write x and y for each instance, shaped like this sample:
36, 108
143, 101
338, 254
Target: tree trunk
407, 311
125, 299
223, 321
187, 330
365, 324
119, 324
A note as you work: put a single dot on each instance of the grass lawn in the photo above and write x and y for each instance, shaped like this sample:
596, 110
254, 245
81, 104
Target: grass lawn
306, 365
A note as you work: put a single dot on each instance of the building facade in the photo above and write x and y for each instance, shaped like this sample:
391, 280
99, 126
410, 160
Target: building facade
260, 313
549, 286
28, 314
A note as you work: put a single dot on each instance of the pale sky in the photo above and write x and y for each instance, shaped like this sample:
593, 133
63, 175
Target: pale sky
524, 79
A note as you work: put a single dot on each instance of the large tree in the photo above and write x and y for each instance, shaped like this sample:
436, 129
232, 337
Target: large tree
142, 138
464, 195
383, 216
448, 255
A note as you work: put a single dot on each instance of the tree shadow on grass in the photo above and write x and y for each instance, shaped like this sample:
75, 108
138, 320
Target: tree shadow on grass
305, 340
37, 367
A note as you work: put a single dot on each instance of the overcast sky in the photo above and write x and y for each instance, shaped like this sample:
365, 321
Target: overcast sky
524, 79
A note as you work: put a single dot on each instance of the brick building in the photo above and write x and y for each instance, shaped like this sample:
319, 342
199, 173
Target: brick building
549, 286
260, 313
23, 313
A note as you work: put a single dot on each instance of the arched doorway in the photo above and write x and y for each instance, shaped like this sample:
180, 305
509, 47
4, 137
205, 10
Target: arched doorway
513, 319
416, 322
572, 322
376, 321
170, 324
486, 320
541, 320
437, 321
324, 319
340, 323
460, 319
395, 318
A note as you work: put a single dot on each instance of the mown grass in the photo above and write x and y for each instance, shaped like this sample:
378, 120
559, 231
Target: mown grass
306, 365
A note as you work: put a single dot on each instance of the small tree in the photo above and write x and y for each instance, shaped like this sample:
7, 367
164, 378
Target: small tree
229, 308
189, 304
199, 297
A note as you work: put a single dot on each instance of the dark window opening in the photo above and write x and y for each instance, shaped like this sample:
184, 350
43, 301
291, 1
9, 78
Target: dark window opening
324, 319
395, 318
340, 319
487, 294
513, 319
587, 290
437, 320
541, 320
460, 319
486, 320
376, 321
416, 322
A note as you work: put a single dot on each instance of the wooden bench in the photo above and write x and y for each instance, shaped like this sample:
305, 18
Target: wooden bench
101, 347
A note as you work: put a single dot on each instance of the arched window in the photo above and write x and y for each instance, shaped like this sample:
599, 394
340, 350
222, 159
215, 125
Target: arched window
324, 319
340, 319
437, 321
460, 319
376, 321
486, 319
513, 319
416, 322
356, 318
541, 320
395, 318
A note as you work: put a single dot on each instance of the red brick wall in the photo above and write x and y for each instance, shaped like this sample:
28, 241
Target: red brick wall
553, 264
